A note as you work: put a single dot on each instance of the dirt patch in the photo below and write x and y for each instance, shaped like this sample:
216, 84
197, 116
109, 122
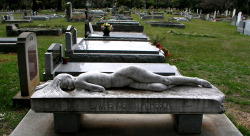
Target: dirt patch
177, 60
240, 115
4, 60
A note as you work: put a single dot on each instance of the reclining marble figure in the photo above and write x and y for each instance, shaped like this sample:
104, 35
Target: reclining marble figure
130, 76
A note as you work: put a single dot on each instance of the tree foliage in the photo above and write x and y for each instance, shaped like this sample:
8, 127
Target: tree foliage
205, 5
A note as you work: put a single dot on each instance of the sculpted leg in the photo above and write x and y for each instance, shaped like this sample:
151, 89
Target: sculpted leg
140, 75
89, 86
149, 86
181, 80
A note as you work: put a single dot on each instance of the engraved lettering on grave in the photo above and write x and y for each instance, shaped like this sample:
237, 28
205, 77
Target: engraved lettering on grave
155, 107
108, 106
32, 59
56, 56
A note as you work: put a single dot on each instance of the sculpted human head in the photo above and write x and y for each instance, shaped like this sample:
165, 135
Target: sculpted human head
66, 82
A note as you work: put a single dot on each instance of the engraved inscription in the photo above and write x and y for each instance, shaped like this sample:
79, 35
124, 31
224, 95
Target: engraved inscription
108, 106
153, 107
32, 60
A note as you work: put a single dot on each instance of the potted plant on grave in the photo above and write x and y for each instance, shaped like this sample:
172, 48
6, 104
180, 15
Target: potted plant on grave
106, 28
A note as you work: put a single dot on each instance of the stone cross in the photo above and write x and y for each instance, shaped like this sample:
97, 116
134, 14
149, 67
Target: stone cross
27, 54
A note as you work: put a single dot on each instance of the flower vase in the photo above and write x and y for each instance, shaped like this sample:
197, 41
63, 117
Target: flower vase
106, 32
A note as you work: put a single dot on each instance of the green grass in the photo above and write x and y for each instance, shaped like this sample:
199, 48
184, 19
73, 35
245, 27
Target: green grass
222, 58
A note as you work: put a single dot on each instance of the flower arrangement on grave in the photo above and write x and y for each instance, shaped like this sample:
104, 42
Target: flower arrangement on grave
106, 28
156, 42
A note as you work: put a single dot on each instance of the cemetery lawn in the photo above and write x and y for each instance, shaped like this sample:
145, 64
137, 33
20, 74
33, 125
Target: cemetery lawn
214, 51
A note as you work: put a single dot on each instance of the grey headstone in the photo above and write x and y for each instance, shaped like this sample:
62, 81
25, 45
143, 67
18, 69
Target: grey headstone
234, 12
28, 62
239, 18
69, 41
68, 11
207, 18
247, 28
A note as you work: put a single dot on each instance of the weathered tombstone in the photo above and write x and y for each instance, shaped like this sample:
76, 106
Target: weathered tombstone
247, 28
234, 13
28, 66
234, 19
214, 15
226, 13
239, 18
207, 17
241, 27
68, 11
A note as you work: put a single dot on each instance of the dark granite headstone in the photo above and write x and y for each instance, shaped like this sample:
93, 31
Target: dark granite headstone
56, 51
28, 62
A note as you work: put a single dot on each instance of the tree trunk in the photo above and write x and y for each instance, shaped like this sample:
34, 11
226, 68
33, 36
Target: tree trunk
34, 8
59, 5
248, 7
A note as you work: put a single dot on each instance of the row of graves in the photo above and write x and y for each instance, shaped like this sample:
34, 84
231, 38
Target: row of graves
161, 15
243, 24
9, 19
34, 16
73, 15
192, 109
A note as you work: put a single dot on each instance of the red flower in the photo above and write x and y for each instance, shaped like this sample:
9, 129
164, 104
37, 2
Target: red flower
158, 45
166, 52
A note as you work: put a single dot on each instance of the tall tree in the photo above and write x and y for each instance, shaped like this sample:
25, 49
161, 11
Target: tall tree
59, 5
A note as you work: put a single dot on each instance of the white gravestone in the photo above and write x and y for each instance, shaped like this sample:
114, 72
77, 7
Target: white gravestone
239, 18
234, 13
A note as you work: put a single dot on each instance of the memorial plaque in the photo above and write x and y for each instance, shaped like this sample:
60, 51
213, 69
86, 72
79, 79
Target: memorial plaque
28, 62
32, 59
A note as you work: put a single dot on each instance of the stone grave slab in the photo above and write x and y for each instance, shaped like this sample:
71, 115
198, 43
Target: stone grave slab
166, 24
183, 102
119, 36
178, 100
130, 23
126, 47
8, 44
14, 30
75, 69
